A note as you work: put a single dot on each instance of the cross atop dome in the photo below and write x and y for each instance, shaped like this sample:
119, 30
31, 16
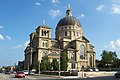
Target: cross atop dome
68, 6
43, 22
68, 12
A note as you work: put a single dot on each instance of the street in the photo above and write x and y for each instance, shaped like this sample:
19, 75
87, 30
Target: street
12, 77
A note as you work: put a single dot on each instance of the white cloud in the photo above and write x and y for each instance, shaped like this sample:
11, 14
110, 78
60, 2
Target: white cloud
26, 43
115, 9
22, 45
37, 3
1, 37
55, 1
1, 27
113, 45
54, 13
8, 37
81, 16
100, 8
116, 1
17, 47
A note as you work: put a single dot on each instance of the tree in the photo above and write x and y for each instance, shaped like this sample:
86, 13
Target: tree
108, 57
48, 66
55, 65
63, 61
43, 65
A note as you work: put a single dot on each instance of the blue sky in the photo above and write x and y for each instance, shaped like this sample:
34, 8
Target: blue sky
100, 20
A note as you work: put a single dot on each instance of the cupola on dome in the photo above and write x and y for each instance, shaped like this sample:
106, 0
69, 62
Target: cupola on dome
68, 19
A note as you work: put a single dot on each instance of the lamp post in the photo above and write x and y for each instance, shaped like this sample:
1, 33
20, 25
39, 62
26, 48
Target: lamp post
82, 66
59, 61
28, 67
39, 67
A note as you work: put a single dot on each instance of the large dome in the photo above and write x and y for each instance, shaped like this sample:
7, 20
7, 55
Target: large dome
68, 20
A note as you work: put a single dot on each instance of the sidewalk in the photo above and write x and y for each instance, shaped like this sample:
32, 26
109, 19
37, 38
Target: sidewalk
52, 76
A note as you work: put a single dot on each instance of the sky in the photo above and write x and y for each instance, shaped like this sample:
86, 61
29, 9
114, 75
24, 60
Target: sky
100, 20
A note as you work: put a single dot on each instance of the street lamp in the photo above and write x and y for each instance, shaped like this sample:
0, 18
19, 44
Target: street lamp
59, 61
39, 68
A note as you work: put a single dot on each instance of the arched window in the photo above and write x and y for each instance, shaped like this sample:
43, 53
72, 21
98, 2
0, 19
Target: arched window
77, 34
69, 33
65, 33
82, 51
73, 56
42, 32
43, 44
74, 33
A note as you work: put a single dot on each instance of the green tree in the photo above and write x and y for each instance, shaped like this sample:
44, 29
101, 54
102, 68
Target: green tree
63, 61
43, 65
48, 66
55, 65
108, 57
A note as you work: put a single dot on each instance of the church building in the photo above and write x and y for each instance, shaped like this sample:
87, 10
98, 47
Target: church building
68, 37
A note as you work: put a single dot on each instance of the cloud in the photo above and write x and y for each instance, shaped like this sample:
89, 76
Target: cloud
1, 27
55, 1
115, 9
116, 1
17, 47
26, 43
37, 3
8, 37
113, 45
22, 45
54, 13
100, 8
81, 16
1, 37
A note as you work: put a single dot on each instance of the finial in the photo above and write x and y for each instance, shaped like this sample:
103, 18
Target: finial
43, 22
68, 12
68, 6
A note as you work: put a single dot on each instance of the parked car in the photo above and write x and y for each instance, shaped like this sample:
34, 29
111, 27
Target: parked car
95, 69
26, 72
89, 69
7, 72
117, 75
31, 72
20, 74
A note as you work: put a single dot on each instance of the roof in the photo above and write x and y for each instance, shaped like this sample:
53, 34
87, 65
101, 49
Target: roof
69, 20
53, 54
43, 26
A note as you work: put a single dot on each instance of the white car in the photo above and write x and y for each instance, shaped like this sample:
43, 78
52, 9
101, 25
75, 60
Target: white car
26, 72
95, 69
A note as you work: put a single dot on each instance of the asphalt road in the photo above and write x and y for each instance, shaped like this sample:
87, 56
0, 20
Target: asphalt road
12, 77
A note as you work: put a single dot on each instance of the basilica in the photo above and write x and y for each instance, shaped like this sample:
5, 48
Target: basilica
69, 37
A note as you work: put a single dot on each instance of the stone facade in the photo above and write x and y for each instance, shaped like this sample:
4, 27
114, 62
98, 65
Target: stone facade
68, 37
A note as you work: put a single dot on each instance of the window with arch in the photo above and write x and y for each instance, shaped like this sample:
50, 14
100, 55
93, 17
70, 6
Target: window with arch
82, 51
73, 65
74, 33
73, 56
65, 33
77, 34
